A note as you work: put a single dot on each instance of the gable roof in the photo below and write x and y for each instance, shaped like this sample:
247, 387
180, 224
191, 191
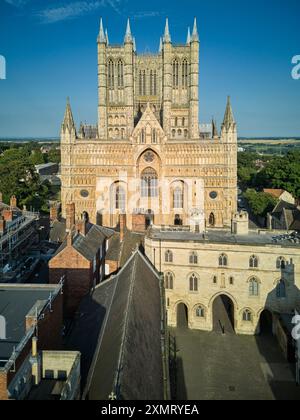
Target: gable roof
89, 244
148, 117
129, 360
277, 193
125, 316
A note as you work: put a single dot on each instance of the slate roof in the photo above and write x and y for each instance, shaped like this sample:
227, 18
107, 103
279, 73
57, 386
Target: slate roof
58, 231
121, 252
286, 216
15, 303
119, 335
89, 244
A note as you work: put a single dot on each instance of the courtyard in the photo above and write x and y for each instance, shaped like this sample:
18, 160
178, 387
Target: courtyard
212, 366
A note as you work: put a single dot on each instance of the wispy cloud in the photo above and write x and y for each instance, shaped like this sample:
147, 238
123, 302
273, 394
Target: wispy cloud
17, 3
75, 9
147, 14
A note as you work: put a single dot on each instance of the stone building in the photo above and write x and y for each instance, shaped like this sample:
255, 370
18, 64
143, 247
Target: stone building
147, 155
254, 275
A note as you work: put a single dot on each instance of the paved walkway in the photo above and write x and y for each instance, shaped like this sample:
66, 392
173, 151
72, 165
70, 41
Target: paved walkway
211, 366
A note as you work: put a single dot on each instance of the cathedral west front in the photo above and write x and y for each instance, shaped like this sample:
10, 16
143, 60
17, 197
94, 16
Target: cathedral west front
147, 155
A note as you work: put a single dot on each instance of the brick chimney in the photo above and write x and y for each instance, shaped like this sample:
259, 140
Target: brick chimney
70, 216
53, 212
2, 225
122, 226
13, 201
81, 225
70, 239
7, 215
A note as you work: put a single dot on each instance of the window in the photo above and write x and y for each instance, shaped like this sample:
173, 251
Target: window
111, 74
223, 260
212, 220
185, 74
193, 258
120, 74
173, 133
169, 281
149, 180
247, 316
153, 83
281, 290
253, 287
253, 262
120, 198
142, 82
154, 136
231, 281
142, 136
186, 133
193, 283
168, 256
215, 280
200, 312
178, 198
281, 263
175, 74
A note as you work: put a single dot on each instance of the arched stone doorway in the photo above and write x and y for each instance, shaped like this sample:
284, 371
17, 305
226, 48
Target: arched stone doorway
182, 316
266, 323
223, 315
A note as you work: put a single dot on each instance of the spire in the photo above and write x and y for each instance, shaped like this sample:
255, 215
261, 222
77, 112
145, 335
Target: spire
102, 38
134, 44
195, 36
68, 122
188, 40
167, 36
128, 35
214, 129
106, 37
228, 117
160, 44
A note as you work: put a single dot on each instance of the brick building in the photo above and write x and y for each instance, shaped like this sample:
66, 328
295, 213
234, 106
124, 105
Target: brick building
80, 258
18, 233
27, 314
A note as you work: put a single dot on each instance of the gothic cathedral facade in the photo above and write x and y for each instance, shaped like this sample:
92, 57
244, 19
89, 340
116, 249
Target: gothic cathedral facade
147, 154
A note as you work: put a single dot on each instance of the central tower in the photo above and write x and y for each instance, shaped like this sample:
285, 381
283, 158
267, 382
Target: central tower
168, 81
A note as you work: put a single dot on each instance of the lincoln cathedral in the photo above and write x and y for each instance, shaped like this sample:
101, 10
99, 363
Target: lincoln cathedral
147, 155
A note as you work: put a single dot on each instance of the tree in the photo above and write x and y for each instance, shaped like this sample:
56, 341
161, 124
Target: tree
18, 177
259, 202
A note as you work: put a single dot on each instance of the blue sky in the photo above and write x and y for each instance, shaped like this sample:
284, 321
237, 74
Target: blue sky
246, 51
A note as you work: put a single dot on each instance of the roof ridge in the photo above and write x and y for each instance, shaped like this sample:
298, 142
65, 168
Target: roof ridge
126, 322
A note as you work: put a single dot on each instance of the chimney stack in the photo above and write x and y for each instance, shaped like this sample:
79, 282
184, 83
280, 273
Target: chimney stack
70, 217
2, 225
122, 226
70, 239
35, 363
81, 226
13, 201
53, 212
7, 215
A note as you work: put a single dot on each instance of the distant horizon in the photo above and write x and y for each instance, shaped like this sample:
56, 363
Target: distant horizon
246, 51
